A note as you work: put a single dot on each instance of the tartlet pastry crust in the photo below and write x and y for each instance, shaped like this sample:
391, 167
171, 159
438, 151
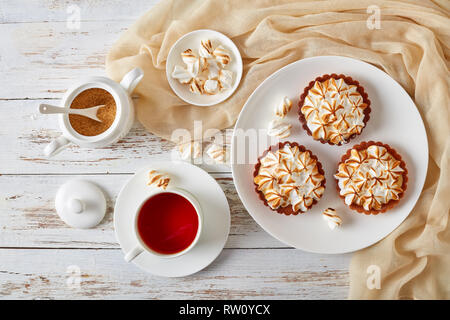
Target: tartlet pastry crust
320, 184
350, 82
404, 174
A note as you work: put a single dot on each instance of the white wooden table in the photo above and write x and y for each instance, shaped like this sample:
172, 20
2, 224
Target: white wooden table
41, 257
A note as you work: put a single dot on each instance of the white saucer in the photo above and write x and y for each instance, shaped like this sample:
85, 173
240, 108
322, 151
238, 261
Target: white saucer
394, 120
192, 40
216, 218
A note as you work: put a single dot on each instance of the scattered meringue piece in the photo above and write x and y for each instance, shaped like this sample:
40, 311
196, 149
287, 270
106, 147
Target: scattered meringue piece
190, 150
160, 180
188, 57
181, 74
222, 55
196, 86
213, 69
192, 62
282, 109
204, 65
194, 69
205, 49
226, 79
218, 153
333, 219
279, 128
211, 86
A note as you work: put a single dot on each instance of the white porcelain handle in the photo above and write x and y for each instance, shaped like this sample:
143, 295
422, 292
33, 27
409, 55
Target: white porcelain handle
49, 109
133, 253
131, 79
56, 146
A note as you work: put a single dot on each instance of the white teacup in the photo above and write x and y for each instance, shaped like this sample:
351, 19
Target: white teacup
141, 247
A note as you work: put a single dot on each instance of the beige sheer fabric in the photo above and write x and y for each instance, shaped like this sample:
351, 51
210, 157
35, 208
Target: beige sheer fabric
412, 45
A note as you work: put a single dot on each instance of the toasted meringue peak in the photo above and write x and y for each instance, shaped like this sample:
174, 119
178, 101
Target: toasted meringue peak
332, 218
190, 150
334, 110
226, 79
222, 55
218, 153
205, 49
370, 178
283, 181
264, 180
282, 109
279, 128
211, 86
274, 198
271, 160
181, 74
158, 179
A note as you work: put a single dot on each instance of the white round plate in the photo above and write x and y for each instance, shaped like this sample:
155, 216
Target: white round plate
192, 40
215, 209
394, 120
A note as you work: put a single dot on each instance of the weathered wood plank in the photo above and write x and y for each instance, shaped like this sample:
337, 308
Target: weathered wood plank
236, 274
28, 217
25, 11
43, 59
24, 133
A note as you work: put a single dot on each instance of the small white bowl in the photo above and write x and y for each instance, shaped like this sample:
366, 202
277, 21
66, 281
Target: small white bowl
192, 41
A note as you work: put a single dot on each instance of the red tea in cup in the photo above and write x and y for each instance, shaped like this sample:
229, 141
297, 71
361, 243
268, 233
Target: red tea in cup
167, 223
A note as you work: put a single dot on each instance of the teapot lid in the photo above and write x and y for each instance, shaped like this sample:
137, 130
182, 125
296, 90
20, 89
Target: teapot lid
80, 203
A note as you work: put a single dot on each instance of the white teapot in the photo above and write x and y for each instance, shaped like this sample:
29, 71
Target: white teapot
123, 120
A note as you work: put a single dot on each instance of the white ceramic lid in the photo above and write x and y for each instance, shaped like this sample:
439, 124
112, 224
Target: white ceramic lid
80, 204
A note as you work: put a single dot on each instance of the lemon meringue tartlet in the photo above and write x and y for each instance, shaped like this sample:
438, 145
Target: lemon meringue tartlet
333, 109
371, 177
289, 178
